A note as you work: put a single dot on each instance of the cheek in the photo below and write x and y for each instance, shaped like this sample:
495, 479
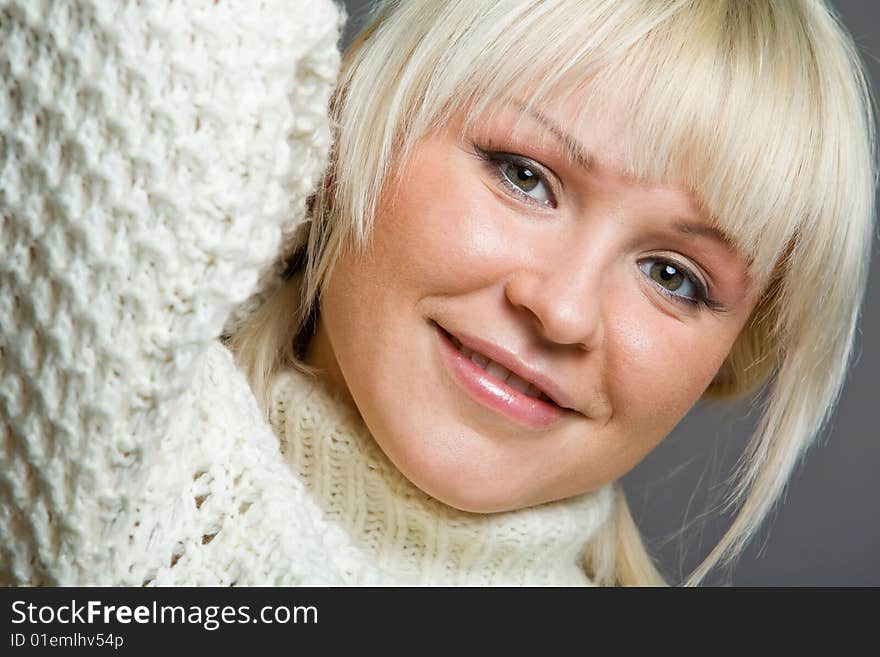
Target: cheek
658, 367
444, 239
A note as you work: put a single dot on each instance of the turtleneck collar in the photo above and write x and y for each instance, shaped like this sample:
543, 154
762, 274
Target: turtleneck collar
411, 537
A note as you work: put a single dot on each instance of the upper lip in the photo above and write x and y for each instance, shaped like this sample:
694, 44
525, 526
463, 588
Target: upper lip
508, 359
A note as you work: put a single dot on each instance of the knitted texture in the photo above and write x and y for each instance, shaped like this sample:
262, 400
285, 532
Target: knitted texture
402, 533
155, 158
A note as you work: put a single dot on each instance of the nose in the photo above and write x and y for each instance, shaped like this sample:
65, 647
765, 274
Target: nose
562, 299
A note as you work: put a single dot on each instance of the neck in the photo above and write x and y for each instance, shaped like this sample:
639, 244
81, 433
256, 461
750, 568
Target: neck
412, 537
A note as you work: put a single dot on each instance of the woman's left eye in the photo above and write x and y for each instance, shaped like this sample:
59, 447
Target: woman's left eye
674, 280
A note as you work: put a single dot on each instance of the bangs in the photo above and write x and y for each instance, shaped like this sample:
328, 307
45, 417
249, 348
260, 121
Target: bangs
717, 96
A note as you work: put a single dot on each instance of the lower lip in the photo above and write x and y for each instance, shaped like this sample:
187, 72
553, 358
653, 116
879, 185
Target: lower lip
496, 394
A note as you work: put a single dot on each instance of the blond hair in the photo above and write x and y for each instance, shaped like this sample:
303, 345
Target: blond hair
763, 110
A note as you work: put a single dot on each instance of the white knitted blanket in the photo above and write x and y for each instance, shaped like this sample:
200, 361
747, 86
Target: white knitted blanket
155, 157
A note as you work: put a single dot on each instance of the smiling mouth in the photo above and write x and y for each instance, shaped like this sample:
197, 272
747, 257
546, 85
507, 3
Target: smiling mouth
499, 372
496, 387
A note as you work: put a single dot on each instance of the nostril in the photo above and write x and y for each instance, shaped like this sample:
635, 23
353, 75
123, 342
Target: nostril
558, 314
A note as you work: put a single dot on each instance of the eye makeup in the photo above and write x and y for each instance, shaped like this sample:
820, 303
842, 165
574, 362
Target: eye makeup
701, 296
494, 159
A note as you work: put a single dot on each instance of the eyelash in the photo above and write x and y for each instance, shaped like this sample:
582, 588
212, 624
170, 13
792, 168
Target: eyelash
702, 298
491, 159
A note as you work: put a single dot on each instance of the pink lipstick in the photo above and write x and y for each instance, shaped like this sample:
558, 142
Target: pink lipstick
496, 387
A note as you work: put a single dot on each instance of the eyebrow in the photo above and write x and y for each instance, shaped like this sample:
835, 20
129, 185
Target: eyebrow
704, 230
573, 149
578, 155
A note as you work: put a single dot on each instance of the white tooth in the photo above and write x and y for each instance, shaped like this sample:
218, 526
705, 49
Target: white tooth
518, 383
497, 370
538, 394
479, 359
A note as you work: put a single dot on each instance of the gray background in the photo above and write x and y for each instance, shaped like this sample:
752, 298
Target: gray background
826, 530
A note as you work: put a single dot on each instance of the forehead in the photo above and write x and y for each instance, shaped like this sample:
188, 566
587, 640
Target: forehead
683, 98
599, 146
616, 135
601, 142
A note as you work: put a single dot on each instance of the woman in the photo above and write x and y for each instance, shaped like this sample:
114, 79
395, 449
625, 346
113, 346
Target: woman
535, 214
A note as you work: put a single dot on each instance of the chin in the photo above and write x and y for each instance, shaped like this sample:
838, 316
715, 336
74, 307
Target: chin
472, 501
461, 486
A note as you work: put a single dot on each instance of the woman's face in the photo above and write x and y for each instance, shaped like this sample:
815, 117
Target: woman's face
528, 323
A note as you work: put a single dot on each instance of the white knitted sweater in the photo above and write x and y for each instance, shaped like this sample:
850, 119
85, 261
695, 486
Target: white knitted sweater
155, 158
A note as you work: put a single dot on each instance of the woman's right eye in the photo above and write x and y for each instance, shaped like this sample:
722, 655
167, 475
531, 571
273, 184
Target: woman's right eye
527, 181
519, 176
